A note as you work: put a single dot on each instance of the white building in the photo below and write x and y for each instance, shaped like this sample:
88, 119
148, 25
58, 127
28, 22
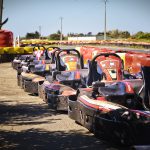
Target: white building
86, 38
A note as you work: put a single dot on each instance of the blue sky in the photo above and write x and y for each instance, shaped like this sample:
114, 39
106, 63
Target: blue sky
79, 16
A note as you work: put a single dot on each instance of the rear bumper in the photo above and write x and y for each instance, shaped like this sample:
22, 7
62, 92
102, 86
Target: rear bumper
15, 65
111, 128
31, 87
57, 102
81, 113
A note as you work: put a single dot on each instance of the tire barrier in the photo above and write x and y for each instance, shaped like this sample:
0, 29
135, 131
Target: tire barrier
96, 43
7, 54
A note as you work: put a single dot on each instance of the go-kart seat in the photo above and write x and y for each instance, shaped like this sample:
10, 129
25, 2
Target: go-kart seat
72, 75
95, 73
115, 89
60, 66
118, 93
72, 78
46, 55
65, 75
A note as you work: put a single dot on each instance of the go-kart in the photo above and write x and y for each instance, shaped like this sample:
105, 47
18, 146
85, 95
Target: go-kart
34, 79
89, 52
67, 82
18, 59
69, 66
38, 66
117, 112
24, 61
132, 60
16, 63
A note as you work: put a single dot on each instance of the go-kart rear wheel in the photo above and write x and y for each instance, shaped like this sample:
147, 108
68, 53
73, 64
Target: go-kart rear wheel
21, 82
123, 137
41, 92
18, 80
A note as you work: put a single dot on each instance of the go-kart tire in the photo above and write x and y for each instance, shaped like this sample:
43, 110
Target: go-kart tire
19, 80
34, 88
27, 86
113, 132
22, 81
30, 87
125, 138
62, 104
19, 70
72, 107
41, 92
12, 65
57, 103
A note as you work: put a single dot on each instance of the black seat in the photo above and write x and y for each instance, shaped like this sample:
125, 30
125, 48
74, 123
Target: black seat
116, 93
70, 75
60, 65
46, 55
116, 89
95, 73
65, 75
145, 90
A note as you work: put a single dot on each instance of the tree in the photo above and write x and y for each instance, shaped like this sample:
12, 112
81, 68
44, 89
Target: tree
58, 32
80, 34
124, 34
114, 33
32, 35
54, 36
100, 34
89, 33
141, 35
37, 34
70, 34
118, 34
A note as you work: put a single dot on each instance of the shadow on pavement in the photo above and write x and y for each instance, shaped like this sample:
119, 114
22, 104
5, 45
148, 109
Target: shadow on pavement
37, 139
24, 114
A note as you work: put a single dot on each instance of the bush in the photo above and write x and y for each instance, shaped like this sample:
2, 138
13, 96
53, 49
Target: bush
141, 35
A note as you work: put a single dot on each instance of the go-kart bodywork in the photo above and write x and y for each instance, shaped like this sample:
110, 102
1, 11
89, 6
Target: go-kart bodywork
64, 85
117, 112
89, 52
102, 66
69, 65
133, 60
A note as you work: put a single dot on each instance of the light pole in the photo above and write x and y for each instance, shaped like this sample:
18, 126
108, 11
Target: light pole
1, 11
61, 18
105, 1
40, 28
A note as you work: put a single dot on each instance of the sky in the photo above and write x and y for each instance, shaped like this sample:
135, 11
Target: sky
79, 16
